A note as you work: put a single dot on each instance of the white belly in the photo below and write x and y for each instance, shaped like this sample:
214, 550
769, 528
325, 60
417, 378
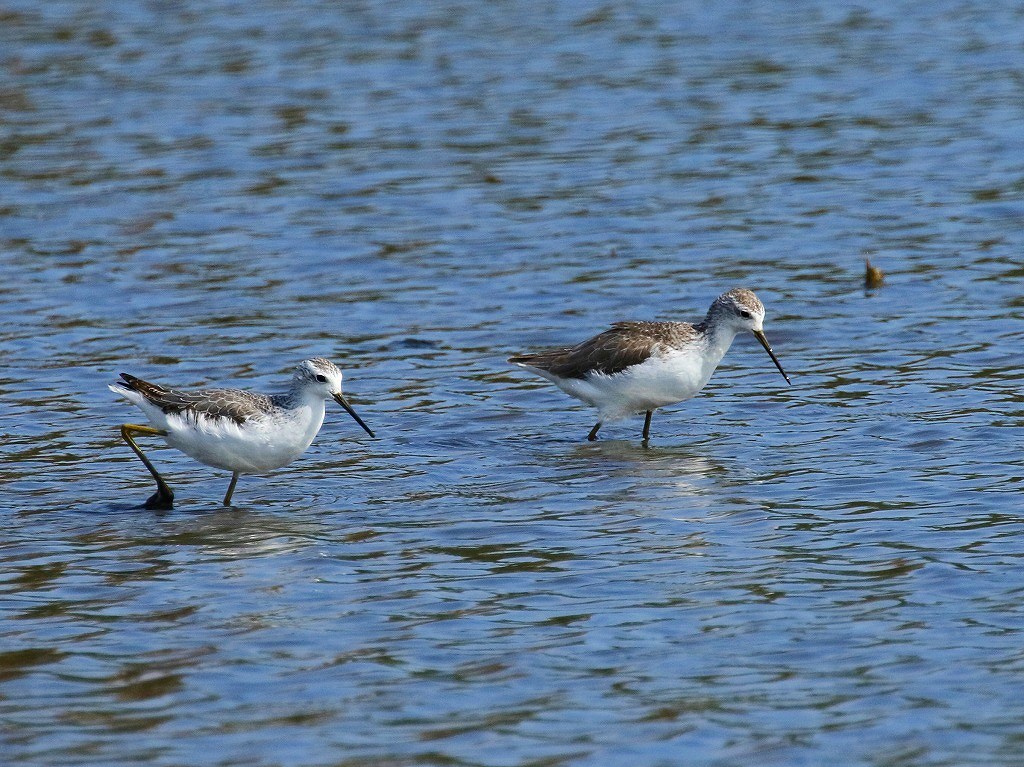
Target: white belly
655, 383
254, 446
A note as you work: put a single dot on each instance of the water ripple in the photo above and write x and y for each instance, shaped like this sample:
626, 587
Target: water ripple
205, 196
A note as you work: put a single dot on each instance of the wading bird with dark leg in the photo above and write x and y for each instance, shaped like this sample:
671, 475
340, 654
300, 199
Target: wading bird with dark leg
240, 431
638, 367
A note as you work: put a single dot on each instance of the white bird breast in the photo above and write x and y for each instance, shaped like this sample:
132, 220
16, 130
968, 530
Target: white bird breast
256, 445
658, 381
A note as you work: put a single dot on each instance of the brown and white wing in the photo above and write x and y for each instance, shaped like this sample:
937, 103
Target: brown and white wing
238, 406
622, 346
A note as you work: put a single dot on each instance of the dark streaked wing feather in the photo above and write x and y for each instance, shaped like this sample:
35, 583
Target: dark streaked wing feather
623, 345
237, 405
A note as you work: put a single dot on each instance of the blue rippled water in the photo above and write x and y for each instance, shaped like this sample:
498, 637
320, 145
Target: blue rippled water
206, 193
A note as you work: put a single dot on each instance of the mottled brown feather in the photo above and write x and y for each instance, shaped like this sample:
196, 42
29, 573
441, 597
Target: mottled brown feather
239, 406
622, 346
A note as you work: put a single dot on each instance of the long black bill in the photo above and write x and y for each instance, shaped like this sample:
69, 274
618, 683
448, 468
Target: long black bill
348, 409
764, 342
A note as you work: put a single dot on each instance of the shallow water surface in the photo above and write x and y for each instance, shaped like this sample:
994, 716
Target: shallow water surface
206, 193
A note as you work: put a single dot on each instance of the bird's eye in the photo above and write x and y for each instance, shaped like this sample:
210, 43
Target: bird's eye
321, 378
745, 314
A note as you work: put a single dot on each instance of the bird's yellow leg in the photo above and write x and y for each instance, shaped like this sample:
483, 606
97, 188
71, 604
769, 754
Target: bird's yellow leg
163, 498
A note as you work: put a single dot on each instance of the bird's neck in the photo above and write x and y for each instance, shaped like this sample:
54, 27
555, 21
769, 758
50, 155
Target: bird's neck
300, 398
307, 412
304, 415
718, 337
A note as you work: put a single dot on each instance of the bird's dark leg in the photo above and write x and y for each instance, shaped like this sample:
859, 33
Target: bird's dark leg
593, 432
163, 498
231, 488
647, 425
